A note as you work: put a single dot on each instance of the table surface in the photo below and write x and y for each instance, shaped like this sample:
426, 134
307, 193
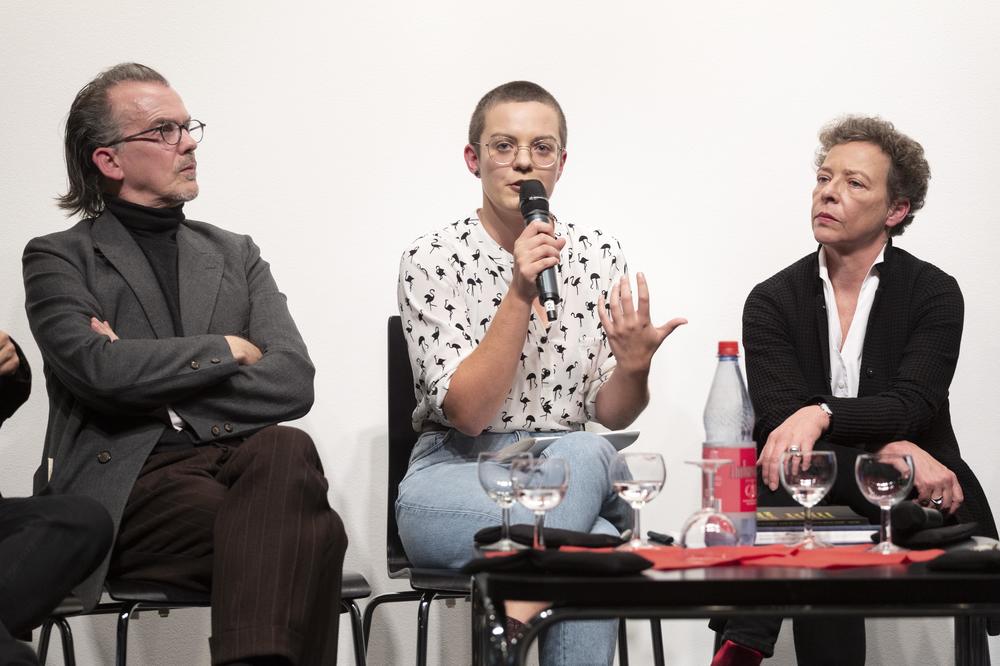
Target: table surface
895, 590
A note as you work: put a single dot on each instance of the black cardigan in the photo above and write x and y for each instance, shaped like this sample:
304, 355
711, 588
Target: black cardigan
910, 352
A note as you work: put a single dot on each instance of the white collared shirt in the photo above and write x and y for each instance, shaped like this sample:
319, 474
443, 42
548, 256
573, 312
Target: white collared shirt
845, 355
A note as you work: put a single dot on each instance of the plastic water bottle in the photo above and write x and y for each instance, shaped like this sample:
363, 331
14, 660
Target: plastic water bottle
729, 422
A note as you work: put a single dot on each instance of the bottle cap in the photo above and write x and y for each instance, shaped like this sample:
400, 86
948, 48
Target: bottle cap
729, 348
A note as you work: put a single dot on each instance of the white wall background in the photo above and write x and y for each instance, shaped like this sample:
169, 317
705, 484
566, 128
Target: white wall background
335, 135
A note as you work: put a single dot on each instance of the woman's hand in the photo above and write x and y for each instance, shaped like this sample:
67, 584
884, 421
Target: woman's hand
535, 249
801, 429
936, 484
632, 336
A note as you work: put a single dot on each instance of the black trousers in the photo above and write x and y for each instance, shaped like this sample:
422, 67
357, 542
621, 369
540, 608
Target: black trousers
248, 521
833, 640
47, 545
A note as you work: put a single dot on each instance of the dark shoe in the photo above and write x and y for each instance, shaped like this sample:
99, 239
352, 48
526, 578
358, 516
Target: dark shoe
734, 654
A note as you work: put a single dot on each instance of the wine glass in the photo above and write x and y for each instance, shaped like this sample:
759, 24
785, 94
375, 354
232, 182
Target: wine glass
539, 485
884, 479
637, 478
494, 476
708, 526
808, 477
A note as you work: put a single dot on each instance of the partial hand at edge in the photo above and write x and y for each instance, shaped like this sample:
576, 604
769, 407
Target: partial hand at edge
9, 362
931, 479
801, 429
244, 351
103, 328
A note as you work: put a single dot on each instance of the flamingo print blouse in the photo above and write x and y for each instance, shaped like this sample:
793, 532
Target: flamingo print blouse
451, 283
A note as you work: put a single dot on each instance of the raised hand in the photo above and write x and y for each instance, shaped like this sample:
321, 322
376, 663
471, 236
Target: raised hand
632, 336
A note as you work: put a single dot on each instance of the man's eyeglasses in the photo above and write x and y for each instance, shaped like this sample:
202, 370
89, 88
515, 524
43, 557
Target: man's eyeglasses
544, 152
170, 132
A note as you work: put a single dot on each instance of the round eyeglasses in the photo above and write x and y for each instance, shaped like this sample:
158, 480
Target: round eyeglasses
503, 151
170, 133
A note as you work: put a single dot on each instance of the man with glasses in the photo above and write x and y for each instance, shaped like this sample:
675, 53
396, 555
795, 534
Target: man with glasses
490, 368
170, 355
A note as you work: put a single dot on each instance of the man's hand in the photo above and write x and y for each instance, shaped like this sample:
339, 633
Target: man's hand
632, 336
801, 429
9, 362
534, 250
932, 480
244, 351
103, 328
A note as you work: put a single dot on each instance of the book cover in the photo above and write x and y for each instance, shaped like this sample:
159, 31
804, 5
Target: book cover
771, 518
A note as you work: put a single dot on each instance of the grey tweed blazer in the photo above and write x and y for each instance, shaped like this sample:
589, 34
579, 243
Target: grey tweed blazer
107, 400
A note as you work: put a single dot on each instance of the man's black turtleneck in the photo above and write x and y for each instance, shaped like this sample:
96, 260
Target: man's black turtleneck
155, 231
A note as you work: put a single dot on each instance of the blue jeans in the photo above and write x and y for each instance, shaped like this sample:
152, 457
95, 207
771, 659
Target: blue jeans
441, 506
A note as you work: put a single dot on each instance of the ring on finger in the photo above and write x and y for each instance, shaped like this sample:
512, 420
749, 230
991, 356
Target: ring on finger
937, 501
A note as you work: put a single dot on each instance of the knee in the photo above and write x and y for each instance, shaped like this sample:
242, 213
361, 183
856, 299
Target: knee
291, 444
582, 445
84, 522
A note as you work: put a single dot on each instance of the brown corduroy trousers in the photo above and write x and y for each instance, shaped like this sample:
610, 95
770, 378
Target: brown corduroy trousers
248, 520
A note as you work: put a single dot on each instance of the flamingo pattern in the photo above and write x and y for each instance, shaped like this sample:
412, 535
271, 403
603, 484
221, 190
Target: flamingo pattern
562, 366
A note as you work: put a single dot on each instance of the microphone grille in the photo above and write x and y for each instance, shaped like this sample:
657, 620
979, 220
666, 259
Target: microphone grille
533, 197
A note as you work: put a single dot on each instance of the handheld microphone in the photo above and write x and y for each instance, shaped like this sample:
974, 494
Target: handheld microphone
535, 206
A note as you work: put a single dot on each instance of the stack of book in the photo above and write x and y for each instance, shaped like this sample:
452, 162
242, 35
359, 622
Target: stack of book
833, 524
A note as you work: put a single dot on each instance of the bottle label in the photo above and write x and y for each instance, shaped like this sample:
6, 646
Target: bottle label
735, 483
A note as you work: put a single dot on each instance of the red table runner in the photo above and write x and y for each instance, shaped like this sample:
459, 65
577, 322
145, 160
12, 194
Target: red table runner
666, 558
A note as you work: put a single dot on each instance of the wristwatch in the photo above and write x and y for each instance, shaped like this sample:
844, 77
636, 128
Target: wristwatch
826, 408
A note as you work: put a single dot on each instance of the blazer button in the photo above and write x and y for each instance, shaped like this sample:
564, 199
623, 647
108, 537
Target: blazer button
216, 360
869, 372
216, 431
195, 365
228, 427
104, 457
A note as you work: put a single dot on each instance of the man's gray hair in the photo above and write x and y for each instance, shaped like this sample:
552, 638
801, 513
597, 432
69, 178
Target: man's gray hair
90, 125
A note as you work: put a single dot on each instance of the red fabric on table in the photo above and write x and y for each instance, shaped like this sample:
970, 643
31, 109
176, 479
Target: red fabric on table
669, 557
666, 558
843, 557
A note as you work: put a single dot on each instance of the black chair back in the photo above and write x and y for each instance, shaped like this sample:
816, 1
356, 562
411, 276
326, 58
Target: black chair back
402, 438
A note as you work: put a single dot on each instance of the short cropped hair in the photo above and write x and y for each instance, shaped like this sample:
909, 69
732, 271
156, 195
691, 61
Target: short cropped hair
515, 91
90, 125
909, 172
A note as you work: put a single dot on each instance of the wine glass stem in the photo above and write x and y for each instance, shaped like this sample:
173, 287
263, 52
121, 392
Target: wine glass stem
539, 541
807, 527
636, 530
885, 531
505, 524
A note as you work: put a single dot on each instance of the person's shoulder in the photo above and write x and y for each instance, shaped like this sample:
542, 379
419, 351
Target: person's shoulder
791, 277
77, 235
917, 273
214, 233
445, 238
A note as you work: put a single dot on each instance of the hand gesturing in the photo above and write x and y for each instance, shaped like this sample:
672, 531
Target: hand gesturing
632, 336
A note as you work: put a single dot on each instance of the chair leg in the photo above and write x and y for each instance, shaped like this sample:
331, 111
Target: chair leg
66, 636
423, 616
43, 640
622, 643
654, 627
124, 614
357, 631
370, 607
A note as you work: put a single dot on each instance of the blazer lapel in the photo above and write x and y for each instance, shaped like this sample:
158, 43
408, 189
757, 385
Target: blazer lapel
112, 240
200, 268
